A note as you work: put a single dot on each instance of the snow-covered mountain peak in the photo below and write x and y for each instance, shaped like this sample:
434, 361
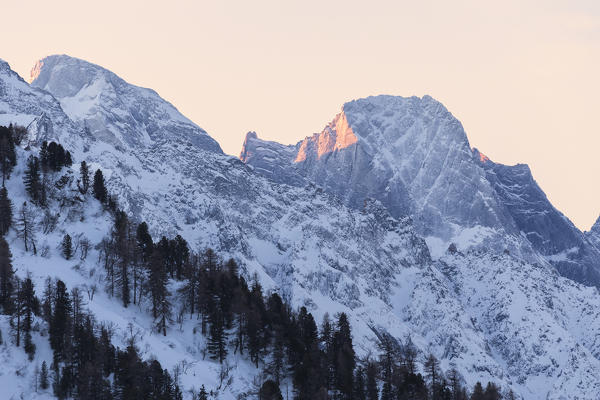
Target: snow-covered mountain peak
391, 120
114, 111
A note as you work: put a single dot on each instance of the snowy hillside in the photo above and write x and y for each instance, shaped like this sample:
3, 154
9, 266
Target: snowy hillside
491, 315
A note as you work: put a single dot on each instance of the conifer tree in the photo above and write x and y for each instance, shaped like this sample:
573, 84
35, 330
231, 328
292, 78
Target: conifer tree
30, 307
68, 159
344, 361
477, 392
202, 395
99, 187
32, 179
60, 322
492, 392
372, 390
6, 213
44, 157
276, 367
432, 371
16, 318
8, 156
67, 247
44, 376
6, 277
121, 239
270, 391
359, 385
84, 177
144, 241
161, 308
217, 340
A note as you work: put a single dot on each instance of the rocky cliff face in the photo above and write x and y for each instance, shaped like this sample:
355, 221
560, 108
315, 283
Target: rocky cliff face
413, 156
331, 246
550, 233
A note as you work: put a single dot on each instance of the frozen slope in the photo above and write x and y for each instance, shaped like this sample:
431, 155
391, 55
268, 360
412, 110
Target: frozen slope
309, 246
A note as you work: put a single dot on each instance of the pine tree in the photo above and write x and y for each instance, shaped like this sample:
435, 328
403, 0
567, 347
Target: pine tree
277, 367
270, 391
6, 277
6, 213
44, 157
492, 392
32, 179
477, 392
68, 159
60, 322
161, 307
99, 187
122, 240
67, 247
432, 371
344, 353
44, 376
8, 156
372, 388
30, 307
217, 341
202, 395
144, 241
84, 177
26, 227
359, 385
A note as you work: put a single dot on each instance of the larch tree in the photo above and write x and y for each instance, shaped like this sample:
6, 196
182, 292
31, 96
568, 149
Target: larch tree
26, 227
6, 212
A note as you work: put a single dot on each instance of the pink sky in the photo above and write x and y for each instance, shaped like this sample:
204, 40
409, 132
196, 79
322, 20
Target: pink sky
522, 76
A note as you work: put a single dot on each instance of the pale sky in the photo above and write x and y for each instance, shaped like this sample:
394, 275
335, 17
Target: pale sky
522, 76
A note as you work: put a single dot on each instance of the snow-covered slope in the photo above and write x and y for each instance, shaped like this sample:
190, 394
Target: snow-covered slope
365, 259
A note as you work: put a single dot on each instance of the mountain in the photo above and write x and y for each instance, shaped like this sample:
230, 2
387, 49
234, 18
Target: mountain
547, 229
36, 109
593, 235
494, 315
414, 156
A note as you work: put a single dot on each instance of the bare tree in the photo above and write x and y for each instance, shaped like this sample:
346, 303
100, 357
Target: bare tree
90, 290
26, 227
84, 247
